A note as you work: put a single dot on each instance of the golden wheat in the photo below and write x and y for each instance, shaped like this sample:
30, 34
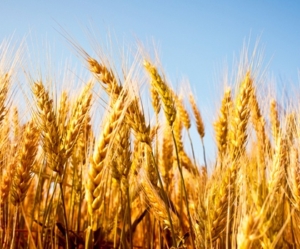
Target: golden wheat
136, 186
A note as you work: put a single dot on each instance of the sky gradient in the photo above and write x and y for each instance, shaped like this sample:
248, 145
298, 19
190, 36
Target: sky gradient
196, 39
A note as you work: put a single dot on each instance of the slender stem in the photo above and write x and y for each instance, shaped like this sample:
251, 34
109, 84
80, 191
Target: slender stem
184, 190
89, 238
65, 215
79, 206
6, 222
129, 216
72, 197
116, 230
292, 225
123, 234
204, 155
192, 147
28, 228
152, 232
49, 206
37, 203
165, 197
12, 245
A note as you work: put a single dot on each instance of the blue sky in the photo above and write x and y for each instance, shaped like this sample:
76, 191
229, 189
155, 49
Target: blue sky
196, 39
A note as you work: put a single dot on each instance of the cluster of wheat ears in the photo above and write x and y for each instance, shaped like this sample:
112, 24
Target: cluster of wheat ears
137, 183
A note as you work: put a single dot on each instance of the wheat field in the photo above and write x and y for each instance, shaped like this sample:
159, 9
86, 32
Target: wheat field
132, 178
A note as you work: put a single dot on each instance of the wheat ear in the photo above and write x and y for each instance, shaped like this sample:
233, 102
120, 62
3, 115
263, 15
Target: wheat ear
163, 91
76, 122
199, 124
93, 186
46, 119
23, 174
274, 120
222, 124
106, 76
238, 134
4, 87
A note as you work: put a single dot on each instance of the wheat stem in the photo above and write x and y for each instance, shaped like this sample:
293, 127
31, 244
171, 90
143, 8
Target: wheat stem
185, 192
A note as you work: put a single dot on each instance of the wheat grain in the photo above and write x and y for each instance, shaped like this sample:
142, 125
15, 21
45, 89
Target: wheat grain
22, 176
163, 91
222, 124
198, 117
238, 132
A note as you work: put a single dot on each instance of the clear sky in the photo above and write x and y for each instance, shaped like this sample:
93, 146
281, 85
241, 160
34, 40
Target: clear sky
196, 38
